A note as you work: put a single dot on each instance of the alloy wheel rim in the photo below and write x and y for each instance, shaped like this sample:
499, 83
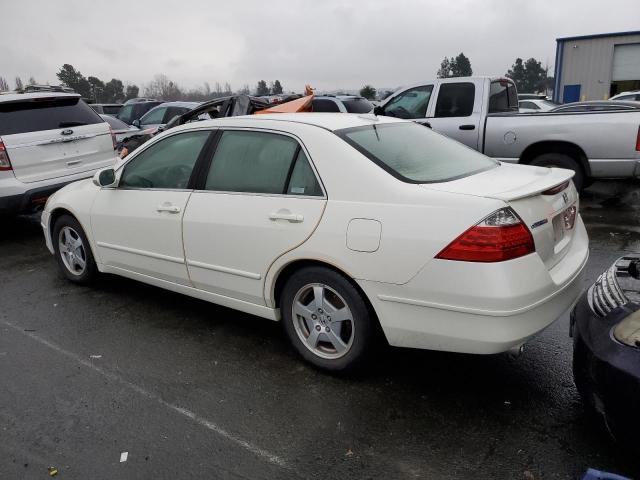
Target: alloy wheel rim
72, 251
323, 321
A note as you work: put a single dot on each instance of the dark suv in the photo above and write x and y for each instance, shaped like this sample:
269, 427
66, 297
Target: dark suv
134, 110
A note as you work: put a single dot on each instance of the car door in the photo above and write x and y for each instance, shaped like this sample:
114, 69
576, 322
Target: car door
137, 226
260, 198
457, 112
411, 104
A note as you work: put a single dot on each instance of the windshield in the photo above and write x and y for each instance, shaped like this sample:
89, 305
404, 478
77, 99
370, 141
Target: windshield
414, 153
358, 105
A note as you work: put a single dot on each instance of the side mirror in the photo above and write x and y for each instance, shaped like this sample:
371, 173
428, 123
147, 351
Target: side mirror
378, 110
136, 123
105, 178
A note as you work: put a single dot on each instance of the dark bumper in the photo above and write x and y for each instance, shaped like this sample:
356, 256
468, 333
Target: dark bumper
606, 372
30, 200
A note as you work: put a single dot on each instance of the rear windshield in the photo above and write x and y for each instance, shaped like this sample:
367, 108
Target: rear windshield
502, 97
45, 114
111, 109
414, 153
358, 105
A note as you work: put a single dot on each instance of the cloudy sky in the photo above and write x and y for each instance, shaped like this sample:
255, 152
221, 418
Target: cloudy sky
330, 44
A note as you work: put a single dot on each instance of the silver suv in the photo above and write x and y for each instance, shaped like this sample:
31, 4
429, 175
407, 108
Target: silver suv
341, 103
47, 140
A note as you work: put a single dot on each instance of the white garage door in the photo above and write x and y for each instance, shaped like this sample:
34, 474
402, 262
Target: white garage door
626, 62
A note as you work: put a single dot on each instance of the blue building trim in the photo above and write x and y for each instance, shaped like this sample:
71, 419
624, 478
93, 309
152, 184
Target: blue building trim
599, 35
557, 71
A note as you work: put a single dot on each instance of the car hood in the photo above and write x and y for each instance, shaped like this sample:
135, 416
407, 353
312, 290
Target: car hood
506, 182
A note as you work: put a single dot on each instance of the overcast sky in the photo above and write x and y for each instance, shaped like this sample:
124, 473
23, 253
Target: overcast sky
330, 44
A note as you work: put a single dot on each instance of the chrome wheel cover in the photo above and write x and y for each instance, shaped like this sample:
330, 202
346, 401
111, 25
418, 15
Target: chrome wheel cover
72, 251
323, 321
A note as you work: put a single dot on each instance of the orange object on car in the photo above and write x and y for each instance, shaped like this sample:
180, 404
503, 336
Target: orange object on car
298, 105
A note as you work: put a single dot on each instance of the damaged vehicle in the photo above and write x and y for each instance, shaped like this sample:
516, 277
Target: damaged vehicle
605, 325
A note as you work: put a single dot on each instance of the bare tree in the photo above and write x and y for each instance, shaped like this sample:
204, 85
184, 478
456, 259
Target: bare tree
227, 88
19, 83
4, 86
218, 89
32, 81
162, 88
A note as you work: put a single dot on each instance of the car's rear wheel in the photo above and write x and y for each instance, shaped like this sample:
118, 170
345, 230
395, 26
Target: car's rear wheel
327, 319
72, 250
561, 160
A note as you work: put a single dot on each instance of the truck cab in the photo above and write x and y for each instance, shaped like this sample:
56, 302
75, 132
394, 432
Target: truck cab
454, 107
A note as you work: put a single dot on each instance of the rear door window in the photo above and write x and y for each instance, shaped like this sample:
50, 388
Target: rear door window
154, 116
45, 114
411, 103
455, 100
260, 162
323, 105
357, 105
502, 97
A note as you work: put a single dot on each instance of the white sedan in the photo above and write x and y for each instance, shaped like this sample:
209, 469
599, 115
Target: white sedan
343, 227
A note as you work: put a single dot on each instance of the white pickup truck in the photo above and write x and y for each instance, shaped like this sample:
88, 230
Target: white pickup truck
482, 112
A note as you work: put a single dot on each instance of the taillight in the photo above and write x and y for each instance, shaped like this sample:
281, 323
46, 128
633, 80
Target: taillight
5, 164
638, 141
113, 138
558, 189
500, 236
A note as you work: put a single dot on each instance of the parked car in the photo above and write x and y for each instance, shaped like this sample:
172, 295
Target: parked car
132, 111
120, 129
536, 105
532, 96
107, 108
597, 106
605, 326
339, 226
342, 103
481, 112
47, 139
627, 96
161, 114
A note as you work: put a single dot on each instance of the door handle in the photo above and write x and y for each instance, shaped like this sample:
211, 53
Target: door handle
73, 162
467, 127
290, 217
165, 207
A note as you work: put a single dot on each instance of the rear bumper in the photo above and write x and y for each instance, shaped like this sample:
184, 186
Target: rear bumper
30, 200
479, 308
16, 197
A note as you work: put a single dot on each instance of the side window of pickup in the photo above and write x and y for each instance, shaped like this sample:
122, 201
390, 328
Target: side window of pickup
411, 103
455, 99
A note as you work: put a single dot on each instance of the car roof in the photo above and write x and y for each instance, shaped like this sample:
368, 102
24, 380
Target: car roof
340, 97
178, 104
25, 97
327, 121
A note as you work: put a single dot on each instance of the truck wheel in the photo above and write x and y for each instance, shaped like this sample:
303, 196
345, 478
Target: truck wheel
561, 160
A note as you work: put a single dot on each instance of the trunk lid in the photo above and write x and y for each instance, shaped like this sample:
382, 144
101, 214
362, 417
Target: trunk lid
54, 137
550, 217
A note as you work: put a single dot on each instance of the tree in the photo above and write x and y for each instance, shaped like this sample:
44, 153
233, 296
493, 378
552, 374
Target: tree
4, 86
132, 92
368, 92
18, 83
162, 88
72, 78
245, 90
445, 68
277, 88
461, 66
262, 88
114, 91
227, 88
529, 76
32, 81
97, 89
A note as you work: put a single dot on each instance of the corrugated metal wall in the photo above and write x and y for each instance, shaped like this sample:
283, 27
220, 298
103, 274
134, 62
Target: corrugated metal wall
588, 62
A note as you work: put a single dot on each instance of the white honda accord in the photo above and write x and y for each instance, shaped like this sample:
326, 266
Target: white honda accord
340, 226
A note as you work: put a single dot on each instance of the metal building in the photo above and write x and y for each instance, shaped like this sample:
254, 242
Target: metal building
596, 67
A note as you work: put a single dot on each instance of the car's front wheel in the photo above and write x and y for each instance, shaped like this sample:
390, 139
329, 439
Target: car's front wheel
327, 319
72, 250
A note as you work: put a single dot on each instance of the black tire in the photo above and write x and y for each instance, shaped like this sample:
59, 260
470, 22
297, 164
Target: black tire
562, 161
82, 276
362, 331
